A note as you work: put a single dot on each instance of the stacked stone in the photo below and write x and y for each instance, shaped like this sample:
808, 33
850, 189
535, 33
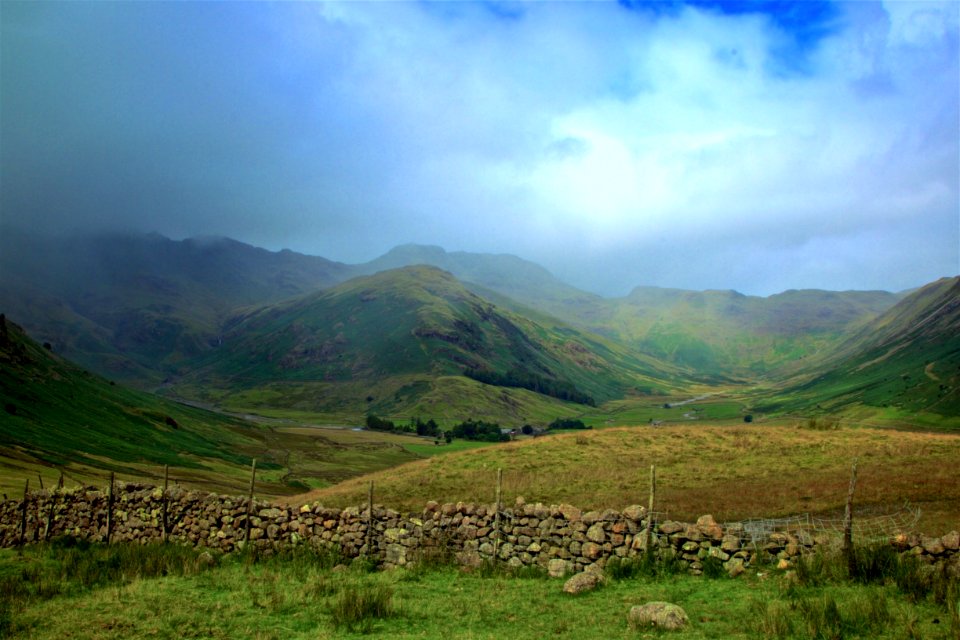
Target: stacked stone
560, 538
81, 512
932, 550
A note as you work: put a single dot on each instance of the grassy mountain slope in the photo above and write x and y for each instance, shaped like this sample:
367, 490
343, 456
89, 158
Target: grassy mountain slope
724, 331
714, 333
61, 413
136, 307
398, 332
518, 279
904, 363
55, 416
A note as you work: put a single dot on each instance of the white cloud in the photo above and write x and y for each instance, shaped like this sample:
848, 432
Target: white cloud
579, 130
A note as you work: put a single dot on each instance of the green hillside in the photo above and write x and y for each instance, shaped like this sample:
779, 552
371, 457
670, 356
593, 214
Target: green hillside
904, 365
382, 342
728, 333
55, 416
714, 334
62, 414
516, 279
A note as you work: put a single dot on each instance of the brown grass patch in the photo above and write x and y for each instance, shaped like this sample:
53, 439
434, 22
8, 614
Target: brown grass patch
733, 472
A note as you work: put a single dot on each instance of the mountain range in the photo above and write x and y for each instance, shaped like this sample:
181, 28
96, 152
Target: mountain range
428, 331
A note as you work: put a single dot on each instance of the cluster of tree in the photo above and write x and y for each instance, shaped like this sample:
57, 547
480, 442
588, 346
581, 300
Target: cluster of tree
523, 379
480, 430
416, 425
567, 423
468, 429
380, 424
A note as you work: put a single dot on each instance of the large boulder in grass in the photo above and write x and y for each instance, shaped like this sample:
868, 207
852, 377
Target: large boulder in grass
585, 581
658, 615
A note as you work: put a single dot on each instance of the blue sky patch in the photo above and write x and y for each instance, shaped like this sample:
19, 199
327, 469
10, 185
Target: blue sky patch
803, 24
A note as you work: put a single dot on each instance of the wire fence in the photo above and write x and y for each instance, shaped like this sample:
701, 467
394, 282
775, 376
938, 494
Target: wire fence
869, 529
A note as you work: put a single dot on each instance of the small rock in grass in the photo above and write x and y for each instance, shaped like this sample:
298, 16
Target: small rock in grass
660, 615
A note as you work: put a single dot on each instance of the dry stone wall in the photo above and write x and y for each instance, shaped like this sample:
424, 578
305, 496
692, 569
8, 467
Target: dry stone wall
560, 538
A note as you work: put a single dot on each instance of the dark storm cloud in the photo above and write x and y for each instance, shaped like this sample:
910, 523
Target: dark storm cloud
756, 146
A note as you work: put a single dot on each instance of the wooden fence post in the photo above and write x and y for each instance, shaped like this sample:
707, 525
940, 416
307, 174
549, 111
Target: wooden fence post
40, 478
253, 479
848, 522
649, 525
496, 516
165, 501
46, 530
369, 519
23, 515
60, 481
110, 508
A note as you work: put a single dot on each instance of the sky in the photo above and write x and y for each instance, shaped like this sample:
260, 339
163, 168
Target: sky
751, 145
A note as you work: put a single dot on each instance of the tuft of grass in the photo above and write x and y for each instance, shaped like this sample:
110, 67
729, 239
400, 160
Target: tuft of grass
826, 423
358, 606
821, 617
772, 619
646, 565
913, 579
623, 568
713, 568
364, 564
814, 569
872, 564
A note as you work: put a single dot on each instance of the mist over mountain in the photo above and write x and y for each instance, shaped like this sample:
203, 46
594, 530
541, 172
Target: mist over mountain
424, 330
135, 305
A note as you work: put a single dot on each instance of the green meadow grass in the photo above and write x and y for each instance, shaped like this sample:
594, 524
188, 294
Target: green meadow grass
133, 592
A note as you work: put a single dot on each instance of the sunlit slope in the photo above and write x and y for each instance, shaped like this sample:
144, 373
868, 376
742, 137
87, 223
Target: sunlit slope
714, 334
399, 331
729, 334
747, 471
906, 363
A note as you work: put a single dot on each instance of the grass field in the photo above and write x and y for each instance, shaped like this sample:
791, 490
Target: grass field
134, 592
299, 458
731, 471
